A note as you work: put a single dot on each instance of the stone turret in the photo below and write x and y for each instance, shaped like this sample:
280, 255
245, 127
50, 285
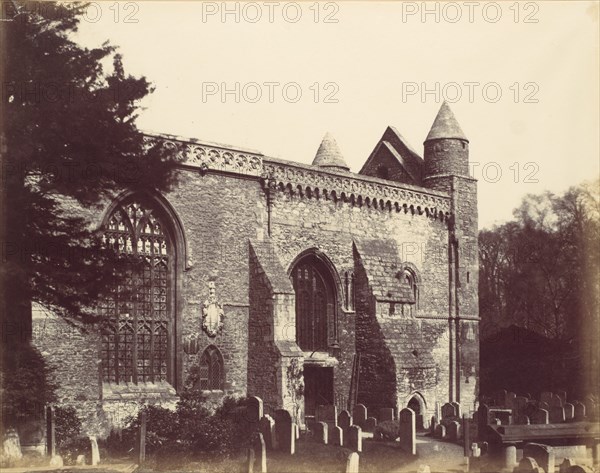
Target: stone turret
446, 146
446, 168
329, 155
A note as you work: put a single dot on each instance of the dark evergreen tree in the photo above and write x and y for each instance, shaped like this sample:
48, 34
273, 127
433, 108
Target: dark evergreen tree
69, 141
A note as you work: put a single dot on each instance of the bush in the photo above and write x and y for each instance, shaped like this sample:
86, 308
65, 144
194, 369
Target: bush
71, 448
387, 430
67, 425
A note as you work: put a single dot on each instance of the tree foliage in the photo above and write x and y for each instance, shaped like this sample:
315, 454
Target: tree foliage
70, 142
540, 270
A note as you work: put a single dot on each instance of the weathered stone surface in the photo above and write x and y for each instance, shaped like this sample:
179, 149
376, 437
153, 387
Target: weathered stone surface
454, 431
440, 431
557, 414
569, 411
370, 424
322, 432
354, 439
359, 415
241, 220
285, 431
254, 410
543, 455
448, 410
266, 427
385, 414
344, 420
352, 463
336, 436
540, 416
408, 431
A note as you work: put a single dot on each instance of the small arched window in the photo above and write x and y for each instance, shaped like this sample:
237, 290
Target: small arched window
212, 372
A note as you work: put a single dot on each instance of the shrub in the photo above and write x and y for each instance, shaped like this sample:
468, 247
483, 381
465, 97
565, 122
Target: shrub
387, 430
71, 448
67, 425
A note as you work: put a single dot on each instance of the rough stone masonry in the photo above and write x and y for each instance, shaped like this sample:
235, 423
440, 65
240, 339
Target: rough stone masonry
304, 285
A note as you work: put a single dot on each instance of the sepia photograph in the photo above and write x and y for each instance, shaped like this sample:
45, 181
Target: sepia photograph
300, 236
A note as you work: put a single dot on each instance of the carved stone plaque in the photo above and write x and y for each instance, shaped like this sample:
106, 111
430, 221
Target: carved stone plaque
212, 313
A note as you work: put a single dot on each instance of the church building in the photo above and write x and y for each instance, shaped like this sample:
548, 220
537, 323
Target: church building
304, 285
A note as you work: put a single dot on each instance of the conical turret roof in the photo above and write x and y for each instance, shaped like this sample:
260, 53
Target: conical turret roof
329, 155
445, 125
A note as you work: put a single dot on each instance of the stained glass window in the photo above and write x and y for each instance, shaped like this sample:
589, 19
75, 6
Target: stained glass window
136, 322
212, 374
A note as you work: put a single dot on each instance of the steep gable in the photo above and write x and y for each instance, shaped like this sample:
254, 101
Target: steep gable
394, 159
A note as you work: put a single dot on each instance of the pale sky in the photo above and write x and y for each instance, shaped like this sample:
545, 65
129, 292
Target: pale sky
371, 62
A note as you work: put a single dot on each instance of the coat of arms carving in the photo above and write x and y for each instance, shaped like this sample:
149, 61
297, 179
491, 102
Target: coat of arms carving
212, 313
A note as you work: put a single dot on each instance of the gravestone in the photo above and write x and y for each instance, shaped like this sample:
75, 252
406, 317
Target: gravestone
50, 432
141, 440
250, 460
95, 451
440, 431
543, 455
540, 416
557, 415
261, 449
354, 441
456, 408
569, 411
432, 424
352, 463
285, 432
327, 413
510, 400
483, 419
80, 460
565, 465
500, 398
453, 431
546, 396
297, 431
370, 424
563, 396
254, 410
475, 450
520, 404
385, 414
344, 420
11, 446
57, 461
580, 469
424, 469
408, 431
509, 456
359, 415
466, 434
266, 426
578, 411
484, 446
321, 432
528, 465
448, 410
555, 401
336, 436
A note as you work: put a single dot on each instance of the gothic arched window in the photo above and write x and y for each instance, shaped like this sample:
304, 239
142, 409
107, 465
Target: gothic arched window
136, 318
212, 372
316, 326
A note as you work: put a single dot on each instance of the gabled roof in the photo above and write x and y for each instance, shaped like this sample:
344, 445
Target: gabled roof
405, 156
329, 154
445, 125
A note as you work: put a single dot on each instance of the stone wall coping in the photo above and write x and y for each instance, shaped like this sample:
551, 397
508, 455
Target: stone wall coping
206, 155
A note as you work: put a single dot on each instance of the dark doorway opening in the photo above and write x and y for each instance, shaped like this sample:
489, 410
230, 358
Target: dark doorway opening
415, 405
318, 388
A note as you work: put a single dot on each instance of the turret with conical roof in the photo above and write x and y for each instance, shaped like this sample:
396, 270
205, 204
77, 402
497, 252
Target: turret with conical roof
329, 155
446, 146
